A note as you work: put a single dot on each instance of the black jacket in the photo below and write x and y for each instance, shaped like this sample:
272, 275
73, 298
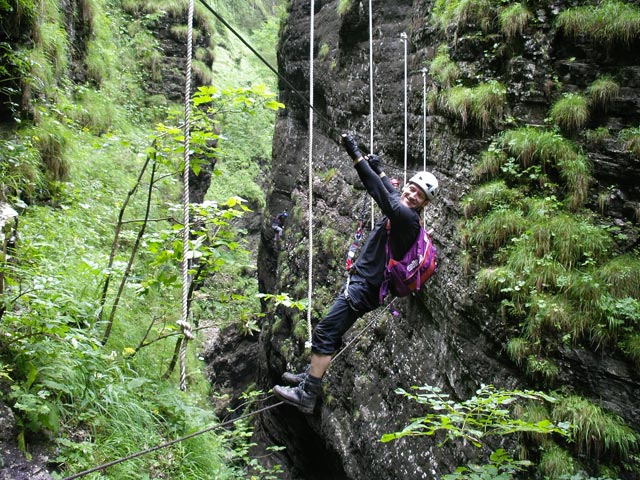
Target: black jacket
405, 225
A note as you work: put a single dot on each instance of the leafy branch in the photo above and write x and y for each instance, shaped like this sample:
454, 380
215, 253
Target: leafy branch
483, 415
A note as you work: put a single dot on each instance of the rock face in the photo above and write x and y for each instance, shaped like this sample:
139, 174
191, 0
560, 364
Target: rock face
449, 335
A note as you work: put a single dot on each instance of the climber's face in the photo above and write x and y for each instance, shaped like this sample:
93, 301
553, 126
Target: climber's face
413, 197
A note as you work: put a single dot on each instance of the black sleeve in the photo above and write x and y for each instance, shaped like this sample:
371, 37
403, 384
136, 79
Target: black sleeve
387, 184
387, 197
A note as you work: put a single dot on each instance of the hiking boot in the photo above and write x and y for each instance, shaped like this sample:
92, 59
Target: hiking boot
303, 397
294, 379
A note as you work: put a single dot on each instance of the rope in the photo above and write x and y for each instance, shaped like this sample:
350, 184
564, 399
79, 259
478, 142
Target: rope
310, 166
424, 132
403, 36
168, 444
371, 96
183, 323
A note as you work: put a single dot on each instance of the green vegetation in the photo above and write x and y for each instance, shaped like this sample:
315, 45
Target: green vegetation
554, 271
456, 13
90, 300
602, 92
344, 6
514, 19
489, 413
442, 69
482, 105
595, 432
630, 138
609, 23
570, 113
324, 51
557, 430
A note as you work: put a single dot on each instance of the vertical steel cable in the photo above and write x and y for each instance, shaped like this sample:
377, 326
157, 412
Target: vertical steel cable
310, 200
403, 36
183, 322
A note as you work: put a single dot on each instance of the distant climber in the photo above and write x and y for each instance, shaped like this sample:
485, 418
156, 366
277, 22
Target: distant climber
361, 291
278, 224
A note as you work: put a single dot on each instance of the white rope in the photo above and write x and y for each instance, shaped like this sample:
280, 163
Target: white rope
424, 132
183, 322
310, 163
403, 36
371, 95
424, 118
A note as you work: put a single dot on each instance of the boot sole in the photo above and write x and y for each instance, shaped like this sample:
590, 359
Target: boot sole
305, 410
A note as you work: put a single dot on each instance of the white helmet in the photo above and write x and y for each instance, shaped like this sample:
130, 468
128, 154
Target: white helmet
427, 182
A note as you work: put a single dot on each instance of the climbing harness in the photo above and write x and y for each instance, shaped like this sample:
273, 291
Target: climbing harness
357, 237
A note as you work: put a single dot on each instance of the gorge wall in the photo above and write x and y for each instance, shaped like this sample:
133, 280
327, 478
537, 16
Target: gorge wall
450, 335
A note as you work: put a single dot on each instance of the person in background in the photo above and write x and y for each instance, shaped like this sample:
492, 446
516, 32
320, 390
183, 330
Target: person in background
402, 212
278, 224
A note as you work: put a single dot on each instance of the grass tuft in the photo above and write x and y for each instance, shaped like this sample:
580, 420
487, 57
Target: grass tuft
514, 19
555, 462
456, 13
489, 165
603, 92
482, 105
595, 432
488, 196
571, 112
611, 22
630, 138
442, 69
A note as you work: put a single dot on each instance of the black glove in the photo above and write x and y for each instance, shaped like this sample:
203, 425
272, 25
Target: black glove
350, 146
374, 163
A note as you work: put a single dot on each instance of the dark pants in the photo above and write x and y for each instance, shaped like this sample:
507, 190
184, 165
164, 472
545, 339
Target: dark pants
362, 298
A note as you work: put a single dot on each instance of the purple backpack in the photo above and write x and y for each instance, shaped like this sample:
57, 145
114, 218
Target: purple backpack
405, 276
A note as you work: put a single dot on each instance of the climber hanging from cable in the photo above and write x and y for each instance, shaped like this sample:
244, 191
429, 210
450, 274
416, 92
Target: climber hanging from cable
394, 234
